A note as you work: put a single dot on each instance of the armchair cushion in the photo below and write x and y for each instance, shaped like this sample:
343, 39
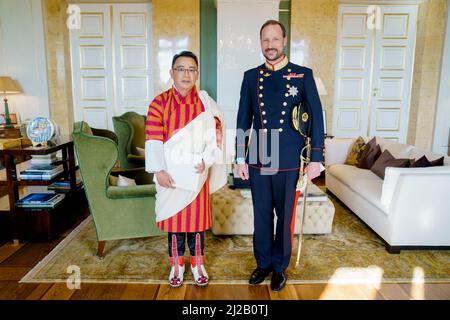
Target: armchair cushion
140, 151
136, 159
125, 182
146, 190
138, 174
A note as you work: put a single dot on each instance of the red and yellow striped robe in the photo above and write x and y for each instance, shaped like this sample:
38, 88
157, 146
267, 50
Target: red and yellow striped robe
167, 113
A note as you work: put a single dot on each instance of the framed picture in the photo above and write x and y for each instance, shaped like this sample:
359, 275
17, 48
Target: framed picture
13, 117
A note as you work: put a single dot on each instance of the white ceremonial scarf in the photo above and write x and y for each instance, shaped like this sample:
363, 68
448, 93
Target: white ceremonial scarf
197, 137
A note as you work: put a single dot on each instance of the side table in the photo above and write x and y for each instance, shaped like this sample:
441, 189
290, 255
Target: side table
41, 223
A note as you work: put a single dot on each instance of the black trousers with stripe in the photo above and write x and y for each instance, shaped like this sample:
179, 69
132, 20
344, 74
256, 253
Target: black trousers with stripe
269, 193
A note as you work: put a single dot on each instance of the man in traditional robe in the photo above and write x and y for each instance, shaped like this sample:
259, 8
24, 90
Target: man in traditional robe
184, 131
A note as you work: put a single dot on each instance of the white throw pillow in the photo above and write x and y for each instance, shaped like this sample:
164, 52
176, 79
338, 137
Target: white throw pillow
140, 151
125, 182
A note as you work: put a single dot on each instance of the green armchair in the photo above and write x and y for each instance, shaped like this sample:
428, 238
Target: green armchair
130, 129
118, 212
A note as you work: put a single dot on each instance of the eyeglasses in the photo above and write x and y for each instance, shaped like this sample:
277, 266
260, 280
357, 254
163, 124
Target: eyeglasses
183, 70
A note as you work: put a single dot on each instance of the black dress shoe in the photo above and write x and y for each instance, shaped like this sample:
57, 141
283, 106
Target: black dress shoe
278, 281
258, 275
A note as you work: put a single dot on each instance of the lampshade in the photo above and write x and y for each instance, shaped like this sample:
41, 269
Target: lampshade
8, 86
320, 86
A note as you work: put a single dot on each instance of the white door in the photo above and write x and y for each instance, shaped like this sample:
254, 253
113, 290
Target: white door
111, 60
353, 73
373, 70
392, 72
132, 30
92, 72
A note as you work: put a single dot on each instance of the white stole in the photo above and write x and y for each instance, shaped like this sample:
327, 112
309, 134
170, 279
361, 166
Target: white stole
201, 134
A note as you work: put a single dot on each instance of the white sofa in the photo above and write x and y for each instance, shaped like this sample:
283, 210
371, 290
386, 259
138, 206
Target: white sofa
409, 209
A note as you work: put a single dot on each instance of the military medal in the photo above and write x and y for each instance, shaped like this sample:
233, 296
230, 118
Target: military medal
293, 91
293, 75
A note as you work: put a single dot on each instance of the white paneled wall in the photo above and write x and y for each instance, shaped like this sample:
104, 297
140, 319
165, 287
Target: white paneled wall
238, 47
22, 56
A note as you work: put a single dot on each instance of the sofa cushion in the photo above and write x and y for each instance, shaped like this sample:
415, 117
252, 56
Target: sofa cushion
370, 154
386, 159
423, 162
355, 152
362, 181
417, 153
398, 150
437, 162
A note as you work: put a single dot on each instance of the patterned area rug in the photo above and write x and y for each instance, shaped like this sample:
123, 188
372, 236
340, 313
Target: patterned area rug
350, 254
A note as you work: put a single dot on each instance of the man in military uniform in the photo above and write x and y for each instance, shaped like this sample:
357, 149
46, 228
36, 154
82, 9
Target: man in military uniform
269, 94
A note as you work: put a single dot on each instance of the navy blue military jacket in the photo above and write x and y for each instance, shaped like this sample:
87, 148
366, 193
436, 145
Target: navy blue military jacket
268, 96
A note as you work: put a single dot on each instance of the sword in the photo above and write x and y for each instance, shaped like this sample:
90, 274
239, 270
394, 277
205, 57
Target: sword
302, 184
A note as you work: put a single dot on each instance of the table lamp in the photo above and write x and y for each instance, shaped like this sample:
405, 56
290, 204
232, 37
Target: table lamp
8, 86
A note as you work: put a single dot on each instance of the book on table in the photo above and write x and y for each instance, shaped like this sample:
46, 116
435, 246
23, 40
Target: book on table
44, 158
10, 143
40, 200
38, 176
64, 185
44, 168
39, 159
41, 172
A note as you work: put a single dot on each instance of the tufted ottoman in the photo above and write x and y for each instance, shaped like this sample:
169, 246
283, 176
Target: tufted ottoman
233, 214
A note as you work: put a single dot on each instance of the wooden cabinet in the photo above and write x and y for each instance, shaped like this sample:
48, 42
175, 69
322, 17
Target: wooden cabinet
37, 223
